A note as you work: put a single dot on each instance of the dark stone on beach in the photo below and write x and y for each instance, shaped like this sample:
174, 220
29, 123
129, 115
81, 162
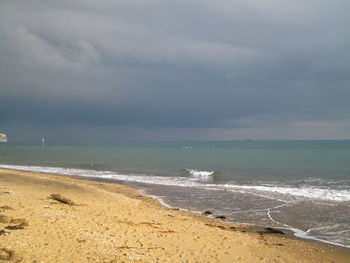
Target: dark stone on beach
270, 230
175, 209
61, 199
221, 217
207, 213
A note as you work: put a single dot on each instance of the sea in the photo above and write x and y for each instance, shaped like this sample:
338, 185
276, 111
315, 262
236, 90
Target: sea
299, 186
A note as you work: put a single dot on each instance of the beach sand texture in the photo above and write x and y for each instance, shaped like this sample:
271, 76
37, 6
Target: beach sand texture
103, 222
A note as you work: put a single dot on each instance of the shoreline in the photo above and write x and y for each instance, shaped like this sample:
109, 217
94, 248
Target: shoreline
182, 235
139, 182
291, 232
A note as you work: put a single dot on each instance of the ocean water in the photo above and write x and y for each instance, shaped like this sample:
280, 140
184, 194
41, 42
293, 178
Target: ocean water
303, 186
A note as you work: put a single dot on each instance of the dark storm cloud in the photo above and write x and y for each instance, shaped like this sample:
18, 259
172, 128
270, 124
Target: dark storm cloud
218, 66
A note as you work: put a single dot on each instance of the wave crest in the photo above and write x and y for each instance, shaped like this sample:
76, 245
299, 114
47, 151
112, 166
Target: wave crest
200, 174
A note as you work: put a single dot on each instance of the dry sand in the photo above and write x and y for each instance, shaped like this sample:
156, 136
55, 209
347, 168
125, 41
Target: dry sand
114, 223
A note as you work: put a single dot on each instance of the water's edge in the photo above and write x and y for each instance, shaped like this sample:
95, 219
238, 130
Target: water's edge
293, 232
290, 231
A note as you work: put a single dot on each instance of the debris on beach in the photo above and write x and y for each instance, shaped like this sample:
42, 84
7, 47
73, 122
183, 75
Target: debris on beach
4, 219
230, 228
62, 199
16, 227
270, 230
6, 254
221, 217
3, 232
207, 213
6, 207
22, 221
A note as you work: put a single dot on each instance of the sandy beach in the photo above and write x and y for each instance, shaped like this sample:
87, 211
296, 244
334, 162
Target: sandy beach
50, 218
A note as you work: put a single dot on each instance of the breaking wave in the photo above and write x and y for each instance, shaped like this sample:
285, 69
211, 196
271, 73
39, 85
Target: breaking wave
202, 175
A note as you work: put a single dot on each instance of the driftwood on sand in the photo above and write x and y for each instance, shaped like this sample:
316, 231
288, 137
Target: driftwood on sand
62, 199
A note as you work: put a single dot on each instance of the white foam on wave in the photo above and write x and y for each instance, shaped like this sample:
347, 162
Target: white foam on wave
201, 174
308, 192
307, 235
303, 192
139, 178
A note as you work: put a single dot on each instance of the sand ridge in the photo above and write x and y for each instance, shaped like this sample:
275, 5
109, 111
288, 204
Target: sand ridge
114, 223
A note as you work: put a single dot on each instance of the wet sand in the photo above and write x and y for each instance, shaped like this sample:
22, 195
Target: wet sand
100, 222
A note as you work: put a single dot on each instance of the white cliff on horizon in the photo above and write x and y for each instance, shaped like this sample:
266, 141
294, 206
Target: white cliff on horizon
3, 137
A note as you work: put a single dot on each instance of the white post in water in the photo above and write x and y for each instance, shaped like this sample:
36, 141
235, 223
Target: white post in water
42, 143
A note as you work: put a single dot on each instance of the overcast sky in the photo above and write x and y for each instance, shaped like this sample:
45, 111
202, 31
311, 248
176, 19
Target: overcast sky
181, 69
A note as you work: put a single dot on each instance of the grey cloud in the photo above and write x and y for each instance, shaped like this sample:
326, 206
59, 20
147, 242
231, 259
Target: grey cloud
205, 65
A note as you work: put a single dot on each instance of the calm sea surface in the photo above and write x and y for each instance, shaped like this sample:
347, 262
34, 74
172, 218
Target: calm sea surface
299, 185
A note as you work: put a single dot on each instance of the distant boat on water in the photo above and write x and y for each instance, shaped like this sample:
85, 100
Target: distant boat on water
3, 137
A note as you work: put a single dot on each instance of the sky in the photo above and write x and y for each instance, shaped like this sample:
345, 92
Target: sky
88, 70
